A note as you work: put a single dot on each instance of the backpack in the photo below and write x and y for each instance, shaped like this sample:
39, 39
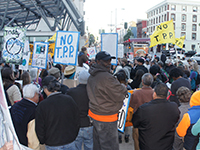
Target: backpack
197, 80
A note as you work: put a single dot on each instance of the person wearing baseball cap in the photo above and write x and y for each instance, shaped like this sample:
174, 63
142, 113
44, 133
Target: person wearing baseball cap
106, 96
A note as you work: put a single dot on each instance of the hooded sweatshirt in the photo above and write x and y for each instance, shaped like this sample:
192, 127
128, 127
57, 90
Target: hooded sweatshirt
188, 120
105, 93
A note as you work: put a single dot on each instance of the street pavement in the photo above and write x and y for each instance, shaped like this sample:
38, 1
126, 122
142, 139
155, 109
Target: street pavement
129, 145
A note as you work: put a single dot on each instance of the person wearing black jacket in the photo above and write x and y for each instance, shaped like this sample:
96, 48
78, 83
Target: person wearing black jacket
57, 117
156, 121
80, 96
140, 62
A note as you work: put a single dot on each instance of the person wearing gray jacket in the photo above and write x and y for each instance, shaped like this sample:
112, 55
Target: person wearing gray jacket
106, 95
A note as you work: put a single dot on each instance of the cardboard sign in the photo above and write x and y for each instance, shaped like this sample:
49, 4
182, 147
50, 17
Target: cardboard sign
120, 50
140, 51
66, 47
123, 113
51, 49
92, 52
26, 56
31, 54
14, 40
164, 33
109, 43
40, 55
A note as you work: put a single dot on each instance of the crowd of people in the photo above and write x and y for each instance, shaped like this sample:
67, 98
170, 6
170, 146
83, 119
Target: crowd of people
68, 107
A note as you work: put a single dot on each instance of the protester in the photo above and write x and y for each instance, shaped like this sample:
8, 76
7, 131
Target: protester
82, 57
193, 75
176, 74
195, 131
140, 62
56, 73
169, 65
26, 78
23, 116
57, 117
12, 92
125, 65
34, 79
155, 72
137, 79
121, 77
139, 97
79, 94
106, 96
156, 121
183, 95
188, 120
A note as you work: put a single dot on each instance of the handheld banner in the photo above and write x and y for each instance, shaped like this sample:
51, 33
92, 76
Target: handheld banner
40, 55
123, 113
92, 52
164, 33
109, 43
6, 126
120, 50
14, 39
180, 41
26, 56
66, 47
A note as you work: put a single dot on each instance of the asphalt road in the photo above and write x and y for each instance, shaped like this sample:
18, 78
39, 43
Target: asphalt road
129, 145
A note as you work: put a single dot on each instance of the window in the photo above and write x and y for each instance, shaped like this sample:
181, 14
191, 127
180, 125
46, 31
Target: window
183, 45
153, 28
193, 36
162, 18
194, 18
183, 26
159, 19
156, 19
193, 47
194, 27
174, 25
184, 8
173, 7
183, 33
157, 11
184, 18
194, 9
154, 13
173, 17
165, 7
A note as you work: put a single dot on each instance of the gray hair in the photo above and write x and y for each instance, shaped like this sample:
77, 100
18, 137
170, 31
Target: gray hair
33, 73
147, 79
29, 90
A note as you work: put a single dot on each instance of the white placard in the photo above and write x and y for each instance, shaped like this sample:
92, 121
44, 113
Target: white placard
13, 47
40, 55
109, 43
123, 113
66, 47
92, 52
26, 56
120, 50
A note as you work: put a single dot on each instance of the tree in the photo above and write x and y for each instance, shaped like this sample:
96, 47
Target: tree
128, 35
91, 39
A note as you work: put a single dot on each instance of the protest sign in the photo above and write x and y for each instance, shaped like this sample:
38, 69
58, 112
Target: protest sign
123, 113
51, 49
120, 50
66, 47
26, 56
6, 126
31, 54
14, 39
180, 41
164, 33
92, 52
109, 43
40, 55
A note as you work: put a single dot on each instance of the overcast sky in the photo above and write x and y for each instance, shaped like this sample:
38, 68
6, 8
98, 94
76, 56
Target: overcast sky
98, 13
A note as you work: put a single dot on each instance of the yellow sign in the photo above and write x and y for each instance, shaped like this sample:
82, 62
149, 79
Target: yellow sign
164, 33
87, 43
179, 41
53, 38
51, 49
31, 54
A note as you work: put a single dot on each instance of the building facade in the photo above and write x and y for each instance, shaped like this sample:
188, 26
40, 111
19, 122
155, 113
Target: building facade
141, 28
186, 18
